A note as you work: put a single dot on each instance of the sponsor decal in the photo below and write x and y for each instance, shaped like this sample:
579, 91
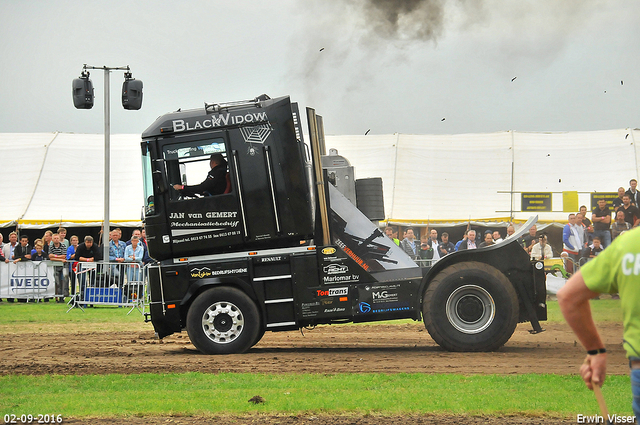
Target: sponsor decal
364, 307
195, 238
270, 259
209, 214
38, 279
220, 224
343, 299
333, 292
28, 278
327, 280
219, 121
255, 134
391, 307
335, 269
383, 299
352, 255
207, 272
310, 309
329, 250
209, 221
384, 295
335, 310
165, 239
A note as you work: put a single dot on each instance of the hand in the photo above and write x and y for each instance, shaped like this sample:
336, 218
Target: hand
594, 370
177, 186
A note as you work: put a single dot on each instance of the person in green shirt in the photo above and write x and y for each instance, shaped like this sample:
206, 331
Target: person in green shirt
616, 269
389, 231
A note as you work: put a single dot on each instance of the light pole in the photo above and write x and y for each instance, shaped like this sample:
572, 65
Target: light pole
83, 99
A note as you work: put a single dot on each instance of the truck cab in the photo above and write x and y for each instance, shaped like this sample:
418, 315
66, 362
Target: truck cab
282, 247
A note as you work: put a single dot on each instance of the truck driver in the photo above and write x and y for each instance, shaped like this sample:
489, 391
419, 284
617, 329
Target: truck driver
214, 184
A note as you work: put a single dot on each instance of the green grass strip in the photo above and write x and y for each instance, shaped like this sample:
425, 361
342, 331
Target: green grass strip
51, 312
198, 394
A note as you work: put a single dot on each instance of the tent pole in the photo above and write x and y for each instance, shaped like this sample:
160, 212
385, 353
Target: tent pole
635, 150
512, 175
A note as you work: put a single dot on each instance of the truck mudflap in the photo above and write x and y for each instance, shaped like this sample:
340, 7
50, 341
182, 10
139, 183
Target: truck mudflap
527, 277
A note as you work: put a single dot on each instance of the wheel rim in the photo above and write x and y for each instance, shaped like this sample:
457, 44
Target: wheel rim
470, 309
222, 322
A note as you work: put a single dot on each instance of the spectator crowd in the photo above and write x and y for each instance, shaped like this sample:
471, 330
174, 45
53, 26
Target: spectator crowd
582, 238
67, 253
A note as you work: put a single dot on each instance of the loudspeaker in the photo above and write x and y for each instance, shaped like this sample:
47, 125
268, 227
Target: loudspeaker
132, 94
83, 92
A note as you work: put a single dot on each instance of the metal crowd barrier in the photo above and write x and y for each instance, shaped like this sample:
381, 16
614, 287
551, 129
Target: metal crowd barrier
566, 266
425, 263
27, 280
110, 284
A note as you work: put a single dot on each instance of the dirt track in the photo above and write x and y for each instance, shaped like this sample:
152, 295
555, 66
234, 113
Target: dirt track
327, 349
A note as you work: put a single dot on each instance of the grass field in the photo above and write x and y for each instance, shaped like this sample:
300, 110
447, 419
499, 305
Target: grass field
192, 393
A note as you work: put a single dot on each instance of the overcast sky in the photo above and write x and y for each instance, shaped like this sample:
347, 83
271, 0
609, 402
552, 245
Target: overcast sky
380, 65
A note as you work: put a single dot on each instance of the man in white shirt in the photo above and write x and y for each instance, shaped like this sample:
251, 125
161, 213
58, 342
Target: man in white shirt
7, 249
470, 243
435, 244
541, 250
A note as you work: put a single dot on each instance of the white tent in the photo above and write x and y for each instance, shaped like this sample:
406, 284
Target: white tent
53, 178
58, 178
444, 179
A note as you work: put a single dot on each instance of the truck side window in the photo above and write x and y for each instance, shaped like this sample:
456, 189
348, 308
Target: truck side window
197, 168
147, 179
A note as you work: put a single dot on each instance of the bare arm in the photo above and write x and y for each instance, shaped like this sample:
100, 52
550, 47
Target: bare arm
573, 299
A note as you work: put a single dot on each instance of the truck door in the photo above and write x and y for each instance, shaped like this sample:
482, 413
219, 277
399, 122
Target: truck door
199, 220
254, 170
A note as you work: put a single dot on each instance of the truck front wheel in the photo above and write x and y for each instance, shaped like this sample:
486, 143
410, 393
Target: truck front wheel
470, 306
223, 320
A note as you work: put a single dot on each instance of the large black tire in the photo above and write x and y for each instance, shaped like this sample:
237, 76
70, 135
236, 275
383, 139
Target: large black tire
259, 336
223, 320
470, 306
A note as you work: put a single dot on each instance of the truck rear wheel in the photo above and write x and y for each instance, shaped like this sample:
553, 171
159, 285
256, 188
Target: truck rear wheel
259, 336
223, 320
470, 306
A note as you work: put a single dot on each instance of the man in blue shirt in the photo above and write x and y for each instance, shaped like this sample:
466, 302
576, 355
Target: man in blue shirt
116, 251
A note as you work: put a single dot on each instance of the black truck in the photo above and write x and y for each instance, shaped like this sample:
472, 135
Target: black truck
282, 248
